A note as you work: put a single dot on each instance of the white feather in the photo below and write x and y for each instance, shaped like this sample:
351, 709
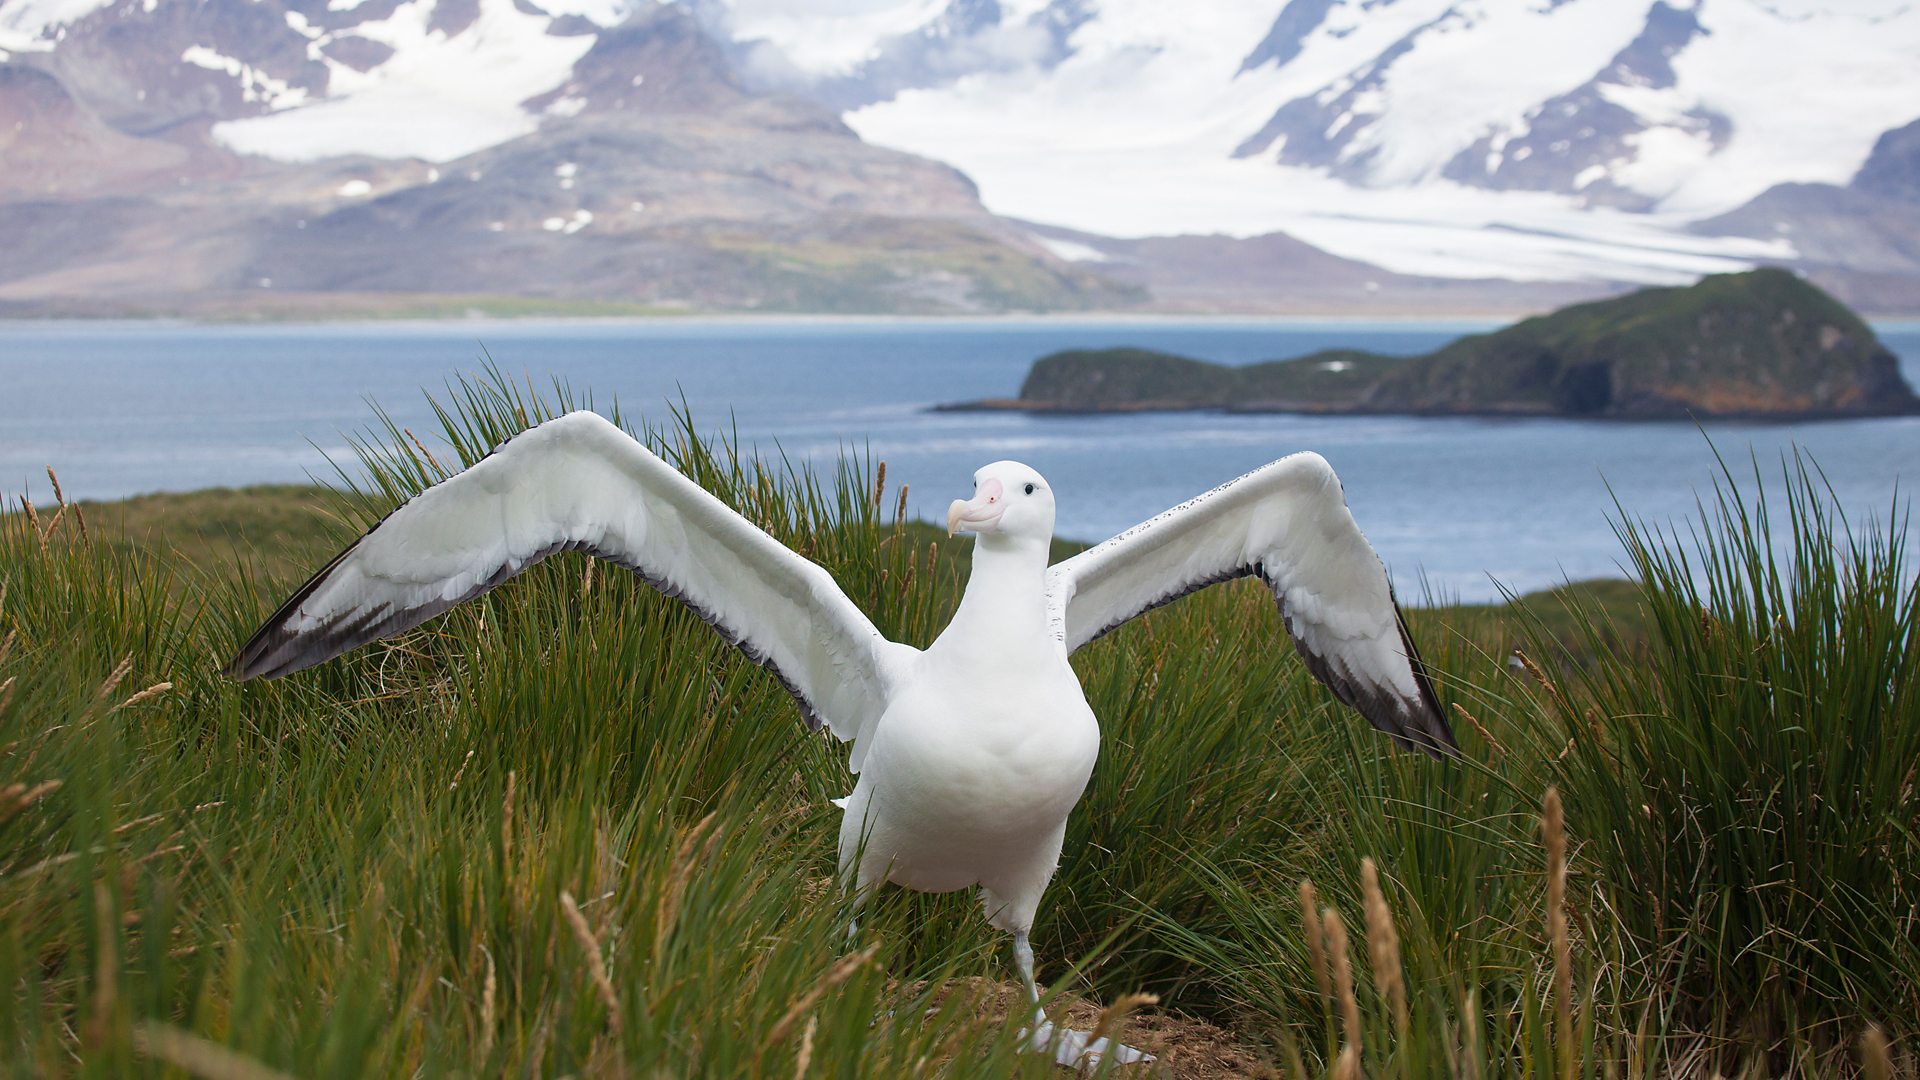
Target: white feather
579, 481
1288, 522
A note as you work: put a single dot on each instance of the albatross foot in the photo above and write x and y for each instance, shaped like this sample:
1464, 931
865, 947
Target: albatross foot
1078, 1049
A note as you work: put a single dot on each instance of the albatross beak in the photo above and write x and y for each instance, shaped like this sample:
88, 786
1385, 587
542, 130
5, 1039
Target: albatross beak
980, 513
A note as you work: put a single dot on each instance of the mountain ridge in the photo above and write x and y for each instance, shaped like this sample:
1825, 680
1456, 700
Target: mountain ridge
303, 155
649, 176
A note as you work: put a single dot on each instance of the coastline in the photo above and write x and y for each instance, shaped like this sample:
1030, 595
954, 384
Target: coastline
821, 319
1896, 323
1014, 405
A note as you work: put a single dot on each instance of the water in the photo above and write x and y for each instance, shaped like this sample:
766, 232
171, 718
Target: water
1452, 503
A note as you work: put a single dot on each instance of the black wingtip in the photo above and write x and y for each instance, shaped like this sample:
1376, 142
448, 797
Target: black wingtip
253, 660
246, 664
1415, 724
1428, 730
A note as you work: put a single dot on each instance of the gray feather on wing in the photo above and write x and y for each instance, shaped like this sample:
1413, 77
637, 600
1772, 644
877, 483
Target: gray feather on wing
578, 483
1288, 524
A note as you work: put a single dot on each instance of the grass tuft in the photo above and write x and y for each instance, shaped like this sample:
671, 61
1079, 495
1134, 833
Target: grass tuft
565, 830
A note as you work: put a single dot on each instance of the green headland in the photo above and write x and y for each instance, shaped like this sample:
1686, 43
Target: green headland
1759, 344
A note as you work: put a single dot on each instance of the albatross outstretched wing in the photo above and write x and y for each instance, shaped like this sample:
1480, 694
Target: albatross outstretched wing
580, 483
1288, 524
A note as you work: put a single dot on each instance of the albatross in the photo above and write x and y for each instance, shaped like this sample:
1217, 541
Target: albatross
969, 754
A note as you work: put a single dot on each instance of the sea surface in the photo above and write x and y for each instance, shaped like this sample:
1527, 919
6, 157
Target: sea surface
1458, 507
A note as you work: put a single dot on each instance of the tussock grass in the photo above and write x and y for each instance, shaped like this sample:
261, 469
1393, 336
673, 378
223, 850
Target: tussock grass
565, 830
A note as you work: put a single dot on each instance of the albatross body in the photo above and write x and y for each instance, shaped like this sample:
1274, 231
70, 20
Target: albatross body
970, 754
976, 763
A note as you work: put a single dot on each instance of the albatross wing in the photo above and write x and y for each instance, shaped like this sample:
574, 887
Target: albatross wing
580, 483
1288, 524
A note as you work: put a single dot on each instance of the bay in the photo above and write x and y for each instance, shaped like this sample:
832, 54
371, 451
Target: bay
1455, 505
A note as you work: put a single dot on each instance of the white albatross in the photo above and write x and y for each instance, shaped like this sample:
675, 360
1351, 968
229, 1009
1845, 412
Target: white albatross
969, 754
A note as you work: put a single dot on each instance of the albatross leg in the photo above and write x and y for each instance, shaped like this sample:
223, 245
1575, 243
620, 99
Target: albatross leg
861, 869
860, 892
1011, 896
1023, 959
1068, 1047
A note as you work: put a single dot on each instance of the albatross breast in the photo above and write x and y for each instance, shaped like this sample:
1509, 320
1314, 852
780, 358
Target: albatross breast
966, 772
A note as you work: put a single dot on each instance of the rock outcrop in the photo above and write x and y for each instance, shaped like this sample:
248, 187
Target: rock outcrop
1758, 344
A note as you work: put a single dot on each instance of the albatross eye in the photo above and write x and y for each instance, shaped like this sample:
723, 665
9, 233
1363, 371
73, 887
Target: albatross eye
1029, 489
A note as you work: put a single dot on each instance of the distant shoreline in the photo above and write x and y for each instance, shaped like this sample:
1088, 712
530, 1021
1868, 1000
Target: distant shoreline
1065, 318
1908, 323
1282, 409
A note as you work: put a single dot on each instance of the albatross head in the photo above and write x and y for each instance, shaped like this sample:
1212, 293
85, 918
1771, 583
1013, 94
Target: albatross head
1009, 500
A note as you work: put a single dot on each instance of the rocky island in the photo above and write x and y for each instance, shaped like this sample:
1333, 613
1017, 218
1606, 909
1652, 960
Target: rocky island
1761, 344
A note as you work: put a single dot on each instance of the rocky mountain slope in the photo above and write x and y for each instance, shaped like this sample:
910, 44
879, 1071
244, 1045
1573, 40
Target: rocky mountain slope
296, 155
1276, 273
437, 156
1759, 344
1863, 236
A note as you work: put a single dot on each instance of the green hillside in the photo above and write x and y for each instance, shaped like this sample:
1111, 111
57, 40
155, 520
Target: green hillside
1759, 344
565, 830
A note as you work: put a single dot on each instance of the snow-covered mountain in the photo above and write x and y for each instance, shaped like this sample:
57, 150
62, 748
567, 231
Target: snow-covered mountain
226, 154
297, 82
1526, 138
1407, 154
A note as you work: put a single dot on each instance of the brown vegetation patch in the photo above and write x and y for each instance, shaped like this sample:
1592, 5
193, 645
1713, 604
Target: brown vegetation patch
1183, 1047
